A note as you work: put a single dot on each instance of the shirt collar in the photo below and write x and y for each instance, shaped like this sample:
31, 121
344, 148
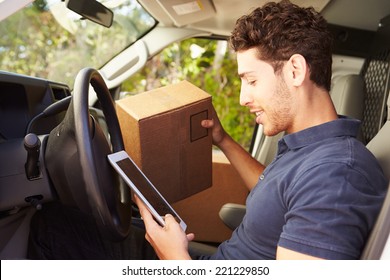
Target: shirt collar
343, 126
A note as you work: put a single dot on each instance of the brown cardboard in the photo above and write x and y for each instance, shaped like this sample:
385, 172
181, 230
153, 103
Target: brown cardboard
162, 134
201, 211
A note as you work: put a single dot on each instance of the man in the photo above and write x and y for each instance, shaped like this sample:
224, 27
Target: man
320, 196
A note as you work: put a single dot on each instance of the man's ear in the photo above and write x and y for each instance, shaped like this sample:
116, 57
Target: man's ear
297, 69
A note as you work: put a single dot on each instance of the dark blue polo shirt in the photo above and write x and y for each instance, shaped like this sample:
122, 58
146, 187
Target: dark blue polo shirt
320, 196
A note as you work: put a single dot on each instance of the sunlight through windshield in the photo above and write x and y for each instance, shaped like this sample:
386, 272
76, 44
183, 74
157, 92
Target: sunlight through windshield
49, 41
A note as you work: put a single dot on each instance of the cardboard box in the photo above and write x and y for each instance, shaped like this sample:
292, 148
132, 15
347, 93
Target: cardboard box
162, 133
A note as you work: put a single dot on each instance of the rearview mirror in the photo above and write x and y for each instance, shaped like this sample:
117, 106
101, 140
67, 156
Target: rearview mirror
92, 10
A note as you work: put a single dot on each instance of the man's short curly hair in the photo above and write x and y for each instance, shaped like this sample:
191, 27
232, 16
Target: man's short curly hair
279, 30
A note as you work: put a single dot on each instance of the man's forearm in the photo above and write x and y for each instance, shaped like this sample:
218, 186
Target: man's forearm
247, 166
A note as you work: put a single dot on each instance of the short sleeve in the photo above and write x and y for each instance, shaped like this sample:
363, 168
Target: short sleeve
330, 211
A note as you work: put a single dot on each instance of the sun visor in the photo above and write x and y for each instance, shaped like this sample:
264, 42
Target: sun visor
185, 12
8, 7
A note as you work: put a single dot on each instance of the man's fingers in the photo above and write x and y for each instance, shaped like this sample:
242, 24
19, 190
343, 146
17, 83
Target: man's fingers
169, 218
170, 221
150, 224
141, 206
190, 237
207, 123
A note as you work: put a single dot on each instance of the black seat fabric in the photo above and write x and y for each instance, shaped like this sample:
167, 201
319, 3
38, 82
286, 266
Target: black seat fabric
376, 76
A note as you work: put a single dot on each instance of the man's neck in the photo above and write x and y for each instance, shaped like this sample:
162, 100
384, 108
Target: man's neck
315, 107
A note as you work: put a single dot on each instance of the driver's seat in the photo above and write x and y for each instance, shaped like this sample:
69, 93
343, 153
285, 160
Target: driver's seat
379, 236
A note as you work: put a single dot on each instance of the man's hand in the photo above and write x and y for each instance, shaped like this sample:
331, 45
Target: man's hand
170, 242
217, 131
248, 167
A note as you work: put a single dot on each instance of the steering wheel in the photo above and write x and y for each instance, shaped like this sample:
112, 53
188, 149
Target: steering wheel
76, 159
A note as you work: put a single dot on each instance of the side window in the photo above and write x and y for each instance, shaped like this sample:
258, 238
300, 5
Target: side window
211, 66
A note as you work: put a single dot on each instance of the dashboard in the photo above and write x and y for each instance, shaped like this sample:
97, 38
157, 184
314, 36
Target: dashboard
21, 99
37, 106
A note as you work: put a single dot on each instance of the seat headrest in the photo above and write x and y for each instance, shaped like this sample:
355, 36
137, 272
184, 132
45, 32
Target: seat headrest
348, 95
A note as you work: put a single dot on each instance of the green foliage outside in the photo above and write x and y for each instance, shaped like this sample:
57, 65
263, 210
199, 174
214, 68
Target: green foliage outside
213, 69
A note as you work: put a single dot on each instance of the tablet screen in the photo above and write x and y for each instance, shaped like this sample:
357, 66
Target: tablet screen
145, 187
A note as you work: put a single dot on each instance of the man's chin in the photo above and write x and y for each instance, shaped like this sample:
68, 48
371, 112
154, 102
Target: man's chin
270, 132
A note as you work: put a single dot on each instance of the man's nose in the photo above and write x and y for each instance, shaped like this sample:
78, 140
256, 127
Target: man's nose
245, 97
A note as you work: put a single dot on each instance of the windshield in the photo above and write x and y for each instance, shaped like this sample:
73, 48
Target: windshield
48, 40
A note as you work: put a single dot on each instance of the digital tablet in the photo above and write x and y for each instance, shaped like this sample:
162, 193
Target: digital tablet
143, 188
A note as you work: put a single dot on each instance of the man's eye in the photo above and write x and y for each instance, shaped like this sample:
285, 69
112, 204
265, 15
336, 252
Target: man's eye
251, 83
